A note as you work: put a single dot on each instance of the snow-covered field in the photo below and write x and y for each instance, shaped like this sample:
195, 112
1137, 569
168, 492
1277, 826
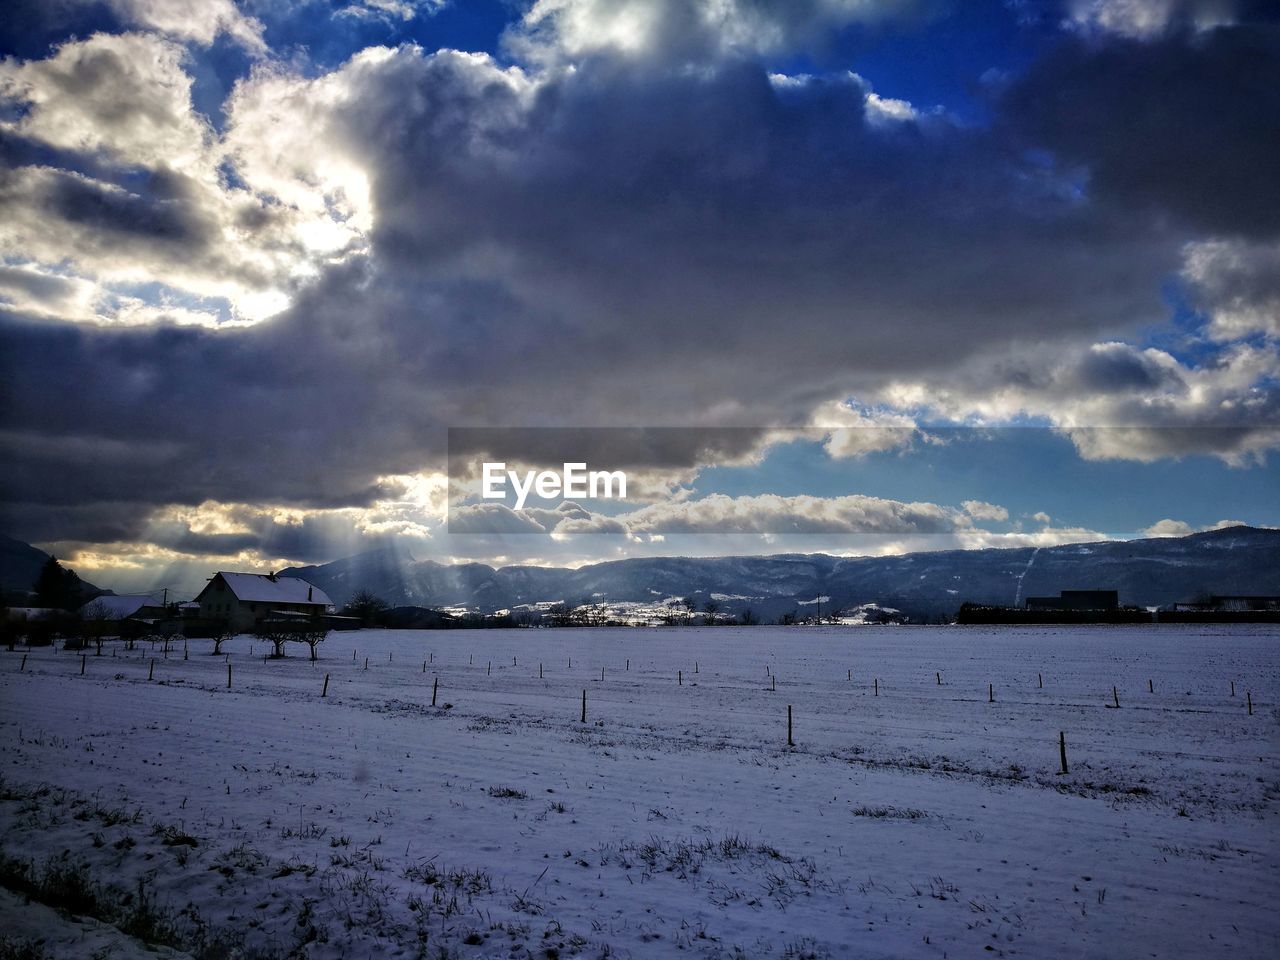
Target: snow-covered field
265, 820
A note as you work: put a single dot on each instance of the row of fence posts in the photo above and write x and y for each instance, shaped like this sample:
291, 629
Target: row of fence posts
773, 685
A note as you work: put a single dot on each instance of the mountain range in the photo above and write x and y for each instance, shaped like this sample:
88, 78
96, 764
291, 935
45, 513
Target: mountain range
1147, 572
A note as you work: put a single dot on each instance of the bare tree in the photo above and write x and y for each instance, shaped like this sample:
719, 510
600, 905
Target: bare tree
220, 636
275, 633
278, 633
312, 637
712, 609
95, 618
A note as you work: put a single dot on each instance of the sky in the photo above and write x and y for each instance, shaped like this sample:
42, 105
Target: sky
888, 274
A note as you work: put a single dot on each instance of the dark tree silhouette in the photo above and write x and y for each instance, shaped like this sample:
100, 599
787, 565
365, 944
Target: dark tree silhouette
57, 586
366, 605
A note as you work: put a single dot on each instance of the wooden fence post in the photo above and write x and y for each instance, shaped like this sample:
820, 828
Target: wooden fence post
1062, 750
790, 741
773, 683
228, 676
1115, 696
1233, 688
680, 678
584, 706
938, 676
366, 663
876, 686
991, 693
435, 689
325, 691
83, 661
23, 666
151, 670
1040, 677
1151, 687
1249, 697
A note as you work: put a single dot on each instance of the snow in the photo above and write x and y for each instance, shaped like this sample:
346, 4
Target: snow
922, 822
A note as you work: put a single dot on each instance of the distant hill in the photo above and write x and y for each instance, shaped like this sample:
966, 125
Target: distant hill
20, 564
1150, 572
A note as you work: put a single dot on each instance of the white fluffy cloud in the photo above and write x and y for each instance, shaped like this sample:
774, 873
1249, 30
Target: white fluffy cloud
1180, 528
390, 10
1145, 19
125, 96
1117, 401
195, 21
141, 190
721, 514
699, 27
981, 510
1237, 283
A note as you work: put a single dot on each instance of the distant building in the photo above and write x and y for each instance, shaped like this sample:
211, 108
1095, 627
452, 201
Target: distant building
136, 606
242, 599
1216, 604
1077, 600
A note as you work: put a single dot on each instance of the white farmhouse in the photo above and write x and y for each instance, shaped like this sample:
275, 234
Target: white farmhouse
242, 599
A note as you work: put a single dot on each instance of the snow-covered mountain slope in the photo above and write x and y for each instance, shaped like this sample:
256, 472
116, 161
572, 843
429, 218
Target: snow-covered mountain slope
1236, 560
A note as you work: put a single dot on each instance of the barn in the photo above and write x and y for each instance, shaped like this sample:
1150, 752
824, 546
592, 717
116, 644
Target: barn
243, 599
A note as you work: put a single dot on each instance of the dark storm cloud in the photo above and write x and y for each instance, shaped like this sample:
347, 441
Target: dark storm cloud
114, 211
1119, 369
634, 242
641, 218
1187, 125
138, 417
44, 288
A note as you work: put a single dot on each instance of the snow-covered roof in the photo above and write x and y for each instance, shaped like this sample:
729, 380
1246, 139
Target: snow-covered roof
260, 588
119, 607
